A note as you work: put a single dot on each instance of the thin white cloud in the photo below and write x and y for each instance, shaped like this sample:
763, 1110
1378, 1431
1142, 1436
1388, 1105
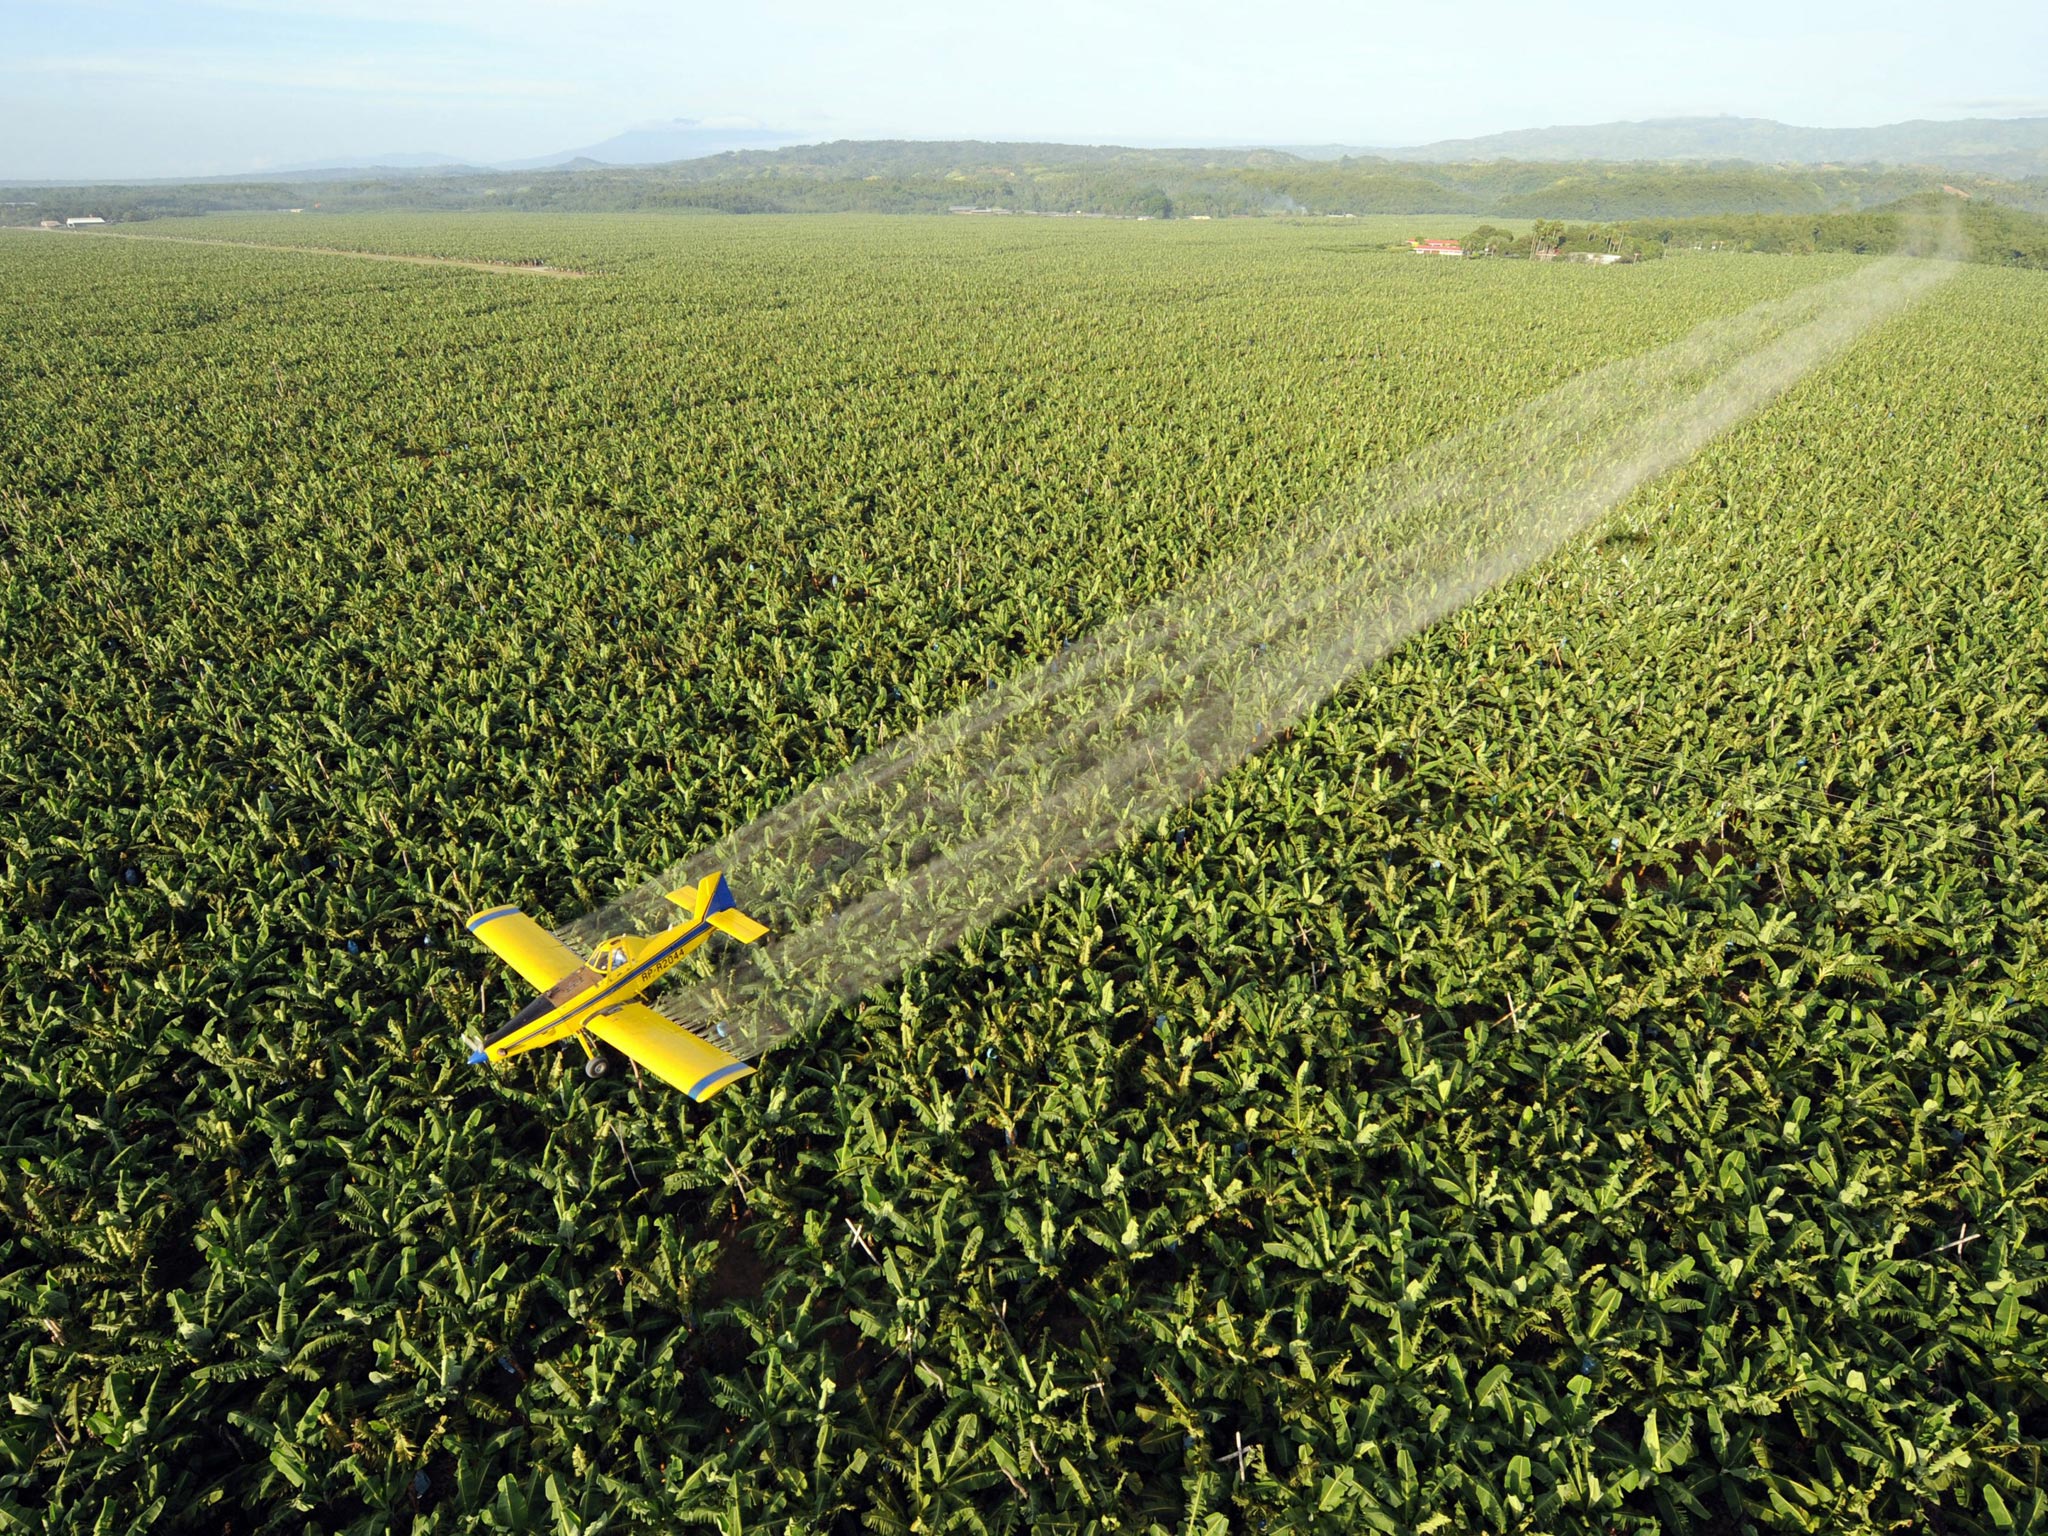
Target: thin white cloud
563, 21
356, 76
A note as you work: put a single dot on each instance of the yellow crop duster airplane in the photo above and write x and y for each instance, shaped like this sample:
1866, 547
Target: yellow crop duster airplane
597, 996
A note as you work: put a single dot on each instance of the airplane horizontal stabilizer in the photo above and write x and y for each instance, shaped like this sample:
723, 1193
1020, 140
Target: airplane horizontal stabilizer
710, 901
736, 924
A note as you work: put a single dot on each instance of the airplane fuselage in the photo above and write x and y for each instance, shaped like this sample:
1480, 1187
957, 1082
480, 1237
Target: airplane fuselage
597, 998
639, 964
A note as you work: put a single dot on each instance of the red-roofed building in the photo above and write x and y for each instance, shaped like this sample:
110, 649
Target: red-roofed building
1436, 247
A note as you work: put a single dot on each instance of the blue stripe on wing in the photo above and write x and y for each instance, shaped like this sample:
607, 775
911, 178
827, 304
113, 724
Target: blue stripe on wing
703, 1084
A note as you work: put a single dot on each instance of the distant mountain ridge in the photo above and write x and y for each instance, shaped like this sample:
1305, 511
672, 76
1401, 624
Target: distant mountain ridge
680, 138
666, 143
927, 176
2013, 148
2010, 146
386, 162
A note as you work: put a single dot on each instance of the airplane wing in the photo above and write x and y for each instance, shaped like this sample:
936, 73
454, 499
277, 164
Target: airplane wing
736, 923
669, 1051
528, 948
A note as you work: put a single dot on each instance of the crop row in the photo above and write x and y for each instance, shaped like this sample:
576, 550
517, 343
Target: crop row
1587, 1077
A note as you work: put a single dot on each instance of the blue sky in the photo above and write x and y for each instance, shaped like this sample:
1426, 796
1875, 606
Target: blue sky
119, 88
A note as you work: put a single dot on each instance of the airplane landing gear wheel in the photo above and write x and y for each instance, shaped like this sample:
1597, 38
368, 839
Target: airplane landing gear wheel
596, 1066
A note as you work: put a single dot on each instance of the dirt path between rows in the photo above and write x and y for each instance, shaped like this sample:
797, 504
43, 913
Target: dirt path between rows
329, 250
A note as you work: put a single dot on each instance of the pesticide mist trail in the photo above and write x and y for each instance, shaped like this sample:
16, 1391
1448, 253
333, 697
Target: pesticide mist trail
898, 856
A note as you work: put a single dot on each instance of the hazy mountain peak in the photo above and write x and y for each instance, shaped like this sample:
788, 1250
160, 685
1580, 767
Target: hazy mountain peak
677, 138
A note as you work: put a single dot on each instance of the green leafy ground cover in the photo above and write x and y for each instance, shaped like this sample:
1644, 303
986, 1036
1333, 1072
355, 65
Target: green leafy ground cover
1588, 1078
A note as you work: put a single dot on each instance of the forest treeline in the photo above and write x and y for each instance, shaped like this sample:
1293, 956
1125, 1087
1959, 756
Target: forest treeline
921, 177
1990, 233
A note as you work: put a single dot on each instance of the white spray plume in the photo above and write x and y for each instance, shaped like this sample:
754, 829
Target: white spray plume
898, 856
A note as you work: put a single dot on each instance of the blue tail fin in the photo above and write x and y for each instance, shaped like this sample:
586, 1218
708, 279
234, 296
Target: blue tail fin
721, 898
